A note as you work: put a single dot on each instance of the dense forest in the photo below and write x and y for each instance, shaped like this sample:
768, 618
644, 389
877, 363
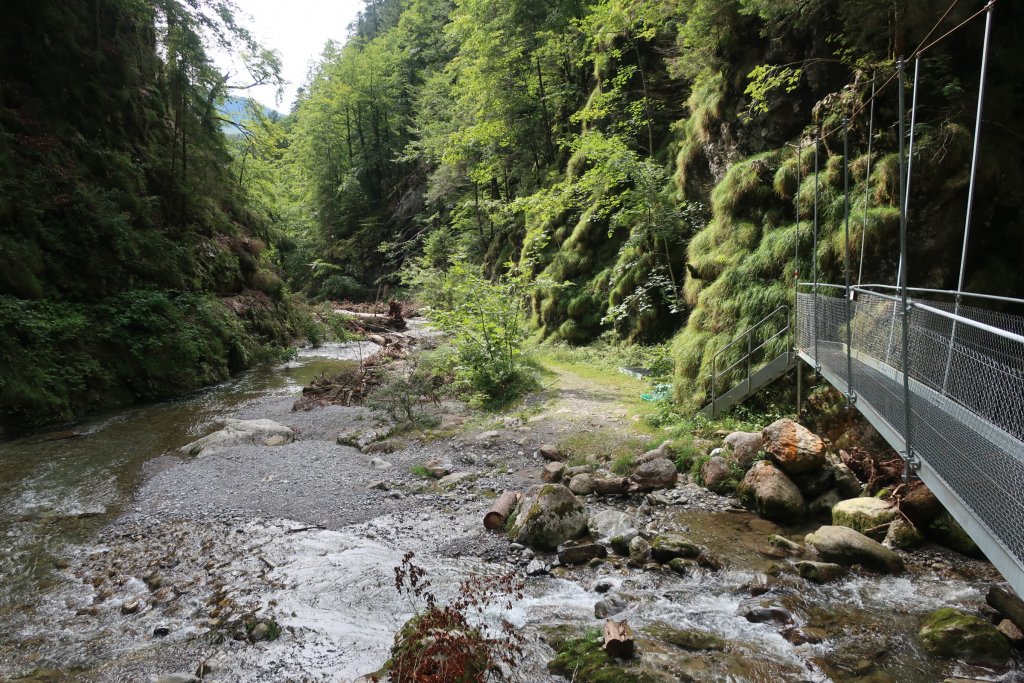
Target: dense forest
635, 162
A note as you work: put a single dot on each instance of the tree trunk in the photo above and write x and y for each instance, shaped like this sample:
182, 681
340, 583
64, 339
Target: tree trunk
618, 639
500, 511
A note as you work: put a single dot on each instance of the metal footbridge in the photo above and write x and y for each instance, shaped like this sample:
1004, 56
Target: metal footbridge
939, 374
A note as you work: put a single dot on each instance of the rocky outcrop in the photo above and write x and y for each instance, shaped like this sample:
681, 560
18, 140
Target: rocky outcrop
716, 475
794, 448
864, 514
843, 545
659, 473
548, 515
766, 489
743, 448
951, 633
242, 432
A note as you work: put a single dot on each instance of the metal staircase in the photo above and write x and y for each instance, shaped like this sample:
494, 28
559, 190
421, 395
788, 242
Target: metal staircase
757, 372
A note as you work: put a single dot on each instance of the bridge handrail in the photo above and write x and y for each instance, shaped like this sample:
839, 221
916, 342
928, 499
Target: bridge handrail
990, 297
746, 334
1005, 334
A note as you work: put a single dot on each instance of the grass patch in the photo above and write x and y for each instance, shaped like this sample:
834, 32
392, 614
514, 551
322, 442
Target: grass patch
603, 445
420, 471
623, 464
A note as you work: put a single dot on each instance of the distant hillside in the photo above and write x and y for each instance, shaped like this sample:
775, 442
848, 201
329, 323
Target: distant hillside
234, 108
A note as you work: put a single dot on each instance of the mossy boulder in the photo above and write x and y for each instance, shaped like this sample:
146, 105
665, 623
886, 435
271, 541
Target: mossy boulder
688, 639
949, 533
548, 515
583, 659
843, 545
863, 514
903, 534
948, 632
667, 547
767, 489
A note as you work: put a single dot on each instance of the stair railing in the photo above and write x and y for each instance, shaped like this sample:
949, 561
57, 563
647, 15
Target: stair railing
748, 336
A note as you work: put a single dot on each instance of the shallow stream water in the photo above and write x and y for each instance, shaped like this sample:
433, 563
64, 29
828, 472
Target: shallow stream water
84, 526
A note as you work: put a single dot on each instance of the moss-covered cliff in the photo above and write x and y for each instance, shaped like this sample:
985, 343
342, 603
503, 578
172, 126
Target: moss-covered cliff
130, 265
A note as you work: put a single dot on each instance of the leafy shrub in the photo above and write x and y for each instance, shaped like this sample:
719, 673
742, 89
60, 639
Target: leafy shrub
485, 323
441, 642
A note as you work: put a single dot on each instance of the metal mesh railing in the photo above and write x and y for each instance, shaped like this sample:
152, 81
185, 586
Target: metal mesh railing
966, 382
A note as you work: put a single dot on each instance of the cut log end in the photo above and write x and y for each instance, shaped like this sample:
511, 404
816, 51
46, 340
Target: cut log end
499, 512
618, 639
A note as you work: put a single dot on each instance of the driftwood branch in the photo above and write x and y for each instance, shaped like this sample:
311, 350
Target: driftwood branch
499, 512
618, 639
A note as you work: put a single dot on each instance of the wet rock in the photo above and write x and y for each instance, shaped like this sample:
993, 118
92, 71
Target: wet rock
902, 534
550, 452
847, 483
716, 475
760, 584
863, 514
1011, 632
661, 452
153, 581
608, 523
1005, 600
620, 543
581, 553
639, 552
820, 572
659, 473
548, 515
845, 546
552, 472
786, 545
793, 447
237, 432
131, 606
667, 547
948, 632
743, 448
609, 485
803, 635
766, 489
177, 678
161, 631
687, 639
823, 504
768, 615
602, 586
949, 533
537, 568
609, 606
260, 631
450, 481
682, 565
380, 464
582, 484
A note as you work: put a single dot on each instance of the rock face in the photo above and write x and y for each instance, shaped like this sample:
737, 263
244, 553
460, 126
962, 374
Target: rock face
548, 515
794, 448
766, 489
951, 633
743, 447
716, 475
659, 473
845, 546
238, 432
608, 524
862, 514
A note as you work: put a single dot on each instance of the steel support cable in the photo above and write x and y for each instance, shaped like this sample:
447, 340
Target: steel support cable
814, 252
910, 149
907, 411
867, 183
849, 292
970, 186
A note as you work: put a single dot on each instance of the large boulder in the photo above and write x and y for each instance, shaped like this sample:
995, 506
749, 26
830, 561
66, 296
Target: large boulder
242, 432
863, 514
951, 633
823, 504
921, 506
548, 515
1005, 600
743, 448
766, 489
847, 483
716, 475
949, 533
794, 448
608, 524
902, 534
659, 473
843, 545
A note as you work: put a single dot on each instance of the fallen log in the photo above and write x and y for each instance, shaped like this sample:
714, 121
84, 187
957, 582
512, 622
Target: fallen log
500, 511
618, 639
